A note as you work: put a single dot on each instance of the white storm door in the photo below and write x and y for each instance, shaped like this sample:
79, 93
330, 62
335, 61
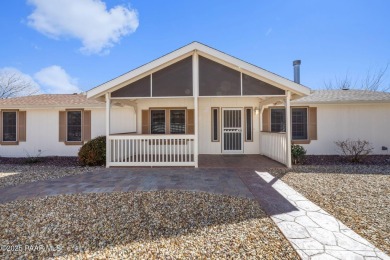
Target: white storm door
232, 135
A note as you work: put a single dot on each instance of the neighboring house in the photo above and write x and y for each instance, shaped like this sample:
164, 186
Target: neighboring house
195, 100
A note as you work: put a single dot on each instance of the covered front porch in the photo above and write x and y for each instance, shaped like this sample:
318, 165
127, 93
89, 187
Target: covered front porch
196, 101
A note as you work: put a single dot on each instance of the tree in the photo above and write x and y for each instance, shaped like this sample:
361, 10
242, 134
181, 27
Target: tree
372, 81
13, 84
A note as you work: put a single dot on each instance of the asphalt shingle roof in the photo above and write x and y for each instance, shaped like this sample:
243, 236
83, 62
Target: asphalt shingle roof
316, 97
345, 96
50, 100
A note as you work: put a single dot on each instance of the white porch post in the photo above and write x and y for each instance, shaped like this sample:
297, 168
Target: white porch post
108, 115
261, 128
288, 128
195, 89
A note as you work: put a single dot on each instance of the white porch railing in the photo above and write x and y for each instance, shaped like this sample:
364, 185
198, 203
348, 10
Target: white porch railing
151, 150
274, 146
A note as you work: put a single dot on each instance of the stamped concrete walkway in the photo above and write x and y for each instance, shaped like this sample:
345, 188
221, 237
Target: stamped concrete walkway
314, 233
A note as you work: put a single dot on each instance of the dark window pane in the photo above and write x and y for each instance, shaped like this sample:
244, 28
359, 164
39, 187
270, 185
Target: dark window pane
178, 121
215, 124
9, 126
278, 120
299, 123
157, 121
74, 126
248, 112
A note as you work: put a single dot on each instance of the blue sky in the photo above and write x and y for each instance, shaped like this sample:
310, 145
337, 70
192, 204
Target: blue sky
65, 45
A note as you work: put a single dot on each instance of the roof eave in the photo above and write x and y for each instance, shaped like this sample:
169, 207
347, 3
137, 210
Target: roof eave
342, 102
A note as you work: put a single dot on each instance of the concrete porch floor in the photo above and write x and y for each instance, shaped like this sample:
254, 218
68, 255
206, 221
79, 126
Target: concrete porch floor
251, 161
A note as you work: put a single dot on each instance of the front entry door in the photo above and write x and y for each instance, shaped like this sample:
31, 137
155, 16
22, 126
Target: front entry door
232, 138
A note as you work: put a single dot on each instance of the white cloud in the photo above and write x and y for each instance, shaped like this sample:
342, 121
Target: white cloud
55, 80
88, 20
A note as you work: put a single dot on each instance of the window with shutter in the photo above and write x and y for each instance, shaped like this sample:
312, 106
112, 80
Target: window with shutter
168, 121
12, 127
303, 122
74, 126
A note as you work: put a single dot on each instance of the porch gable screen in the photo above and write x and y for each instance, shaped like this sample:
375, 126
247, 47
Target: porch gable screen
218, 80
174, 80
253, 86
139, 88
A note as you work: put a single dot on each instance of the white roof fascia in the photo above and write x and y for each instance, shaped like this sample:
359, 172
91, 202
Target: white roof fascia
290, 85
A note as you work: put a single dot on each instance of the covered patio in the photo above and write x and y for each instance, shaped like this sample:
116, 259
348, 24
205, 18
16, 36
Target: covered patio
195, 107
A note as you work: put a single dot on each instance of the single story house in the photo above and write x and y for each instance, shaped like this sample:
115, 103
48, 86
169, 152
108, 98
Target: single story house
194, 100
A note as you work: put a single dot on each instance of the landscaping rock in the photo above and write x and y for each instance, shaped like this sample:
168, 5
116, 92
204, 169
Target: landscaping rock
141, 225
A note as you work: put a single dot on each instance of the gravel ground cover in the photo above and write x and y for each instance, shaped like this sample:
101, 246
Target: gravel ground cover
16, 174
59, 161
357, 195
343, 160
140, 225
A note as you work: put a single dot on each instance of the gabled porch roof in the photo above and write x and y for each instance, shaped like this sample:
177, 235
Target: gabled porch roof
206, 51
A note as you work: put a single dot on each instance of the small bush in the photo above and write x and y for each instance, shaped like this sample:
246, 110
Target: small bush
30, 159
297, 153
355, 150
93, 153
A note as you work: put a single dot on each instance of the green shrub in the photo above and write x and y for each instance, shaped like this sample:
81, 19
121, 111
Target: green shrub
93, 153
297, 153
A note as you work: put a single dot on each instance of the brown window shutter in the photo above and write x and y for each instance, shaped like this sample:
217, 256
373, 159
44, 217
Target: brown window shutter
266, 121
312, 123
62, 126
87, 125
190, 122
145, 122
167, 121
22, 126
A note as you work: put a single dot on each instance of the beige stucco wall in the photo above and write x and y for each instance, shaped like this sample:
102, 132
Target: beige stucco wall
369, 122
42, 129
